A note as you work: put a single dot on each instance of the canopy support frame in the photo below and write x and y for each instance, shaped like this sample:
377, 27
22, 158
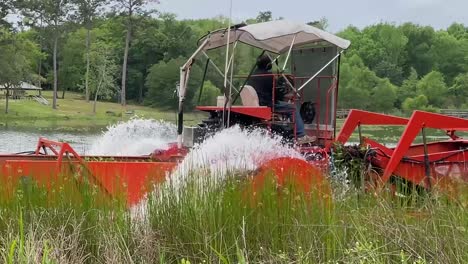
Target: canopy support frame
320, 71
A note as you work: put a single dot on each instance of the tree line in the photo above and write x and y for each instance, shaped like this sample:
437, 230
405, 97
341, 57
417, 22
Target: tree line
123, 51
405, 67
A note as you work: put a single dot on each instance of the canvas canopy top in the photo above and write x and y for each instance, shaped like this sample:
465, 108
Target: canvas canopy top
274, 36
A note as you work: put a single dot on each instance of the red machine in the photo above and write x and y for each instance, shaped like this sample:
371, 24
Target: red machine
312, 61
442, 163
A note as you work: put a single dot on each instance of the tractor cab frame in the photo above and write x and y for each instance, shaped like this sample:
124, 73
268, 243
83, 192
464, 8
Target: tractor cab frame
309, 73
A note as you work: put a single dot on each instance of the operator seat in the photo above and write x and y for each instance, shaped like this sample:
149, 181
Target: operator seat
249, 96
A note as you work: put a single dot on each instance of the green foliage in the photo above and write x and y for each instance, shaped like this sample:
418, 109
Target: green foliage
17, 55
208, 96
322, 23
88, 10
408, 89
458, 30
405, 55
434, 88
449, 55
103, 71
459, 90
162, 81
5, 9
420, 102
358, 83
265, 16
72, 62
420, 40
383, 97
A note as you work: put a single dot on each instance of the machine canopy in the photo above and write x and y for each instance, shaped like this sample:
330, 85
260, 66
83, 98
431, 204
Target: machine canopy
274, 36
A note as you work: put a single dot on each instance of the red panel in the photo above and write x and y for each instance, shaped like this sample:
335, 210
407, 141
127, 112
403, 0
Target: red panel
304, 176
261, 112
128, 179
133, 178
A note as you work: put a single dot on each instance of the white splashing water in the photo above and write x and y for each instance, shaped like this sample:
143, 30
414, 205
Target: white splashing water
134, 138
228, 152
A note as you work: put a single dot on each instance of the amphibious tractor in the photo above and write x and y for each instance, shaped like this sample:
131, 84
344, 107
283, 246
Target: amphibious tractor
306, 75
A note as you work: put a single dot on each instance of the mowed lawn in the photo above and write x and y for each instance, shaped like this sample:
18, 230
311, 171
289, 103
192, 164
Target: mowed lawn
74, 114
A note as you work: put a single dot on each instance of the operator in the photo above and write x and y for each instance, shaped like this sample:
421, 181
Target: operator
263, 85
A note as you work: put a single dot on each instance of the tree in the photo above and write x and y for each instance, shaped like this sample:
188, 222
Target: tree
162, 80
420, 40
88, 10
449, 55
208, 96
408, 89
264, 16
54, 13
71, 69
16, 58
155, 40
129, 8
383, 97
458, 30
357, 83
5, 9
419, 102
103, 70
434, 88
459, 90
322, 23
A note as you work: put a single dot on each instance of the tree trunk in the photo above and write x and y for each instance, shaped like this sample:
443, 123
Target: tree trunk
6, 98
54, 100
95, 102
140, 97
96, 95
124, 67
41, 47
88, 41
39, 73
99, 88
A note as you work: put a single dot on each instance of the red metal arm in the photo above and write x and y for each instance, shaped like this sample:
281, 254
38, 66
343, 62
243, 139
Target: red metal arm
360, 117
418, 121
64, 148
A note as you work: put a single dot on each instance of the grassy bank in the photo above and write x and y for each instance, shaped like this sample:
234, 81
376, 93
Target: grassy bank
74, 114
230, 224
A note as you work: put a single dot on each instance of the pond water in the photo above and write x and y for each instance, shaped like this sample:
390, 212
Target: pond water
13, 141
142, 136
132, 138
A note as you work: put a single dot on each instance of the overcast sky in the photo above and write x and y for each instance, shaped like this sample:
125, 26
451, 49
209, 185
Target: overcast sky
340, 13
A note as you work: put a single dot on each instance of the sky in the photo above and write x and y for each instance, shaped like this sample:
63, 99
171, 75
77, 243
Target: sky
340, 13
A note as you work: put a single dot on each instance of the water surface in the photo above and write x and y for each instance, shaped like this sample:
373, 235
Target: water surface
15, 141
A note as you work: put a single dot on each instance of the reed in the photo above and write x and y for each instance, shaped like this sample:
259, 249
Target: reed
228, 223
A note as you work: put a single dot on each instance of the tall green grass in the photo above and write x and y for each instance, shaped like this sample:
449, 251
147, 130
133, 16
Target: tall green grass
228, 223
282, 225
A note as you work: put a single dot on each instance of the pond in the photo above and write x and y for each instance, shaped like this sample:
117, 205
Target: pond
14, 141
132, 138
141, 137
